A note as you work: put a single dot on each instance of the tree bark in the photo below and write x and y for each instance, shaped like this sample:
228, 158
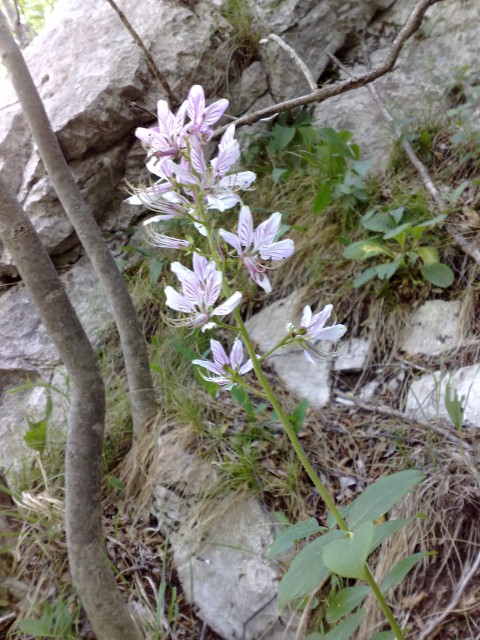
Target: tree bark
90, 570
142, 396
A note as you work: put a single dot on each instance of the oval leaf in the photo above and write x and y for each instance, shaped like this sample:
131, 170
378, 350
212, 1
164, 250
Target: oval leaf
380, 497
364, 249
346, 600
438, 274
285, 540
347, 557
400, 570
307, 571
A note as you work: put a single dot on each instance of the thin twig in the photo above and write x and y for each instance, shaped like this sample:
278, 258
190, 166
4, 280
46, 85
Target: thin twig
8, 617
395, 413
320, 95
139, 42
467, 247
461, 586
295, 57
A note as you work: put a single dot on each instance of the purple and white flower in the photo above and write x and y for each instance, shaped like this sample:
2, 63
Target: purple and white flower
226, 368
255, 245
201, 289
312, 329
202, 117
167, 139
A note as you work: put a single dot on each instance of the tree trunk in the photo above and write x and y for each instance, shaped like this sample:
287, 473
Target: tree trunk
142, 396
91, 574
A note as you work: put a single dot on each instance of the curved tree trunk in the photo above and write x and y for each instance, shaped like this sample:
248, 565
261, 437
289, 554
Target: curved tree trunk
142, 396
91, 574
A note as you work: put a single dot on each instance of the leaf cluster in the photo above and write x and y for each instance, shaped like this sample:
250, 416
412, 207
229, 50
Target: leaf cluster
401, 245
345, 553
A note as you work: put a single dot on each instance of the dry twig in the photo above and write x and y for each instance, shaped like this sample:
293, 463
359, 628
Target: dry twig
320, 95
139, 42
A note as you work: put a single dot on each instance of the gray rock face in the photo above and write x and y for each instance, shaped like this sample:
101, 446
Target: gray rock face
426, 397
449, 39
313, 29
433, 328
88, 72
303, 379
222, 565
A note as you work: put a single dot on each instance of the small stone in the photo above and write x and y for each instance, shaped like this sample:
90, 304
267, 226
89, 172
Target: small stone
426, 396
352, 355
302, 378
433, 328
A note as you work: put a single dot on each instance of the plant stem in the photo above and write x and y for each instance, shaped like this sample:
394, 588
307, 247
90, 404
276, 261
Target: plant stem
289, 430
383, 604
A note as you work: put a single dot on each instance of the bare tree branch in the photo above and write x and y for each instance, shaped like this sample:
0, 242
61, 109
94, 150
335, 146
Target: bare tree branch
295, 57
320, 95
139, 42
91, 572
142, 396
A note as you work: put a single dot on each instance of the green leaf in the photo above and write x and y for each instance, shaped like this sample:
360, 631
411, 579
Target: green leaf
285, 540
455, 406
243, 399
386, 270
345, 601
456, 193
336, 142
315, 636
384, 635
115, 483
397, 214
155, 268
438, 274
361, 167
307, 571
322, 199
400, 570
397, 231
429, 255
36, 436
38, 628
380, 497
377, 221
297, 418
364, 277
345, 629
281, 137
432, 222
277, 174
347, 557
364, 249
388, 528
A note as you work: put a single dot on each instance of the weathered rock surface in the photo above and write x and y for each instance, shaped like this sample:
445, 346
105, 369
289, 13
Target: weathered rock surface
222, 564
90, 105
426, 397
433, 328
448, 40
302, 378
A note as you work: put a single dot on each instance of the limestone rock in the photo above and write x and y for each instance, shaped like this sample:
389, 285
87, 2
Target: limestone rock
303, 379
313, 29
426, 396
352, 355
433, 328
448, 40
219, 547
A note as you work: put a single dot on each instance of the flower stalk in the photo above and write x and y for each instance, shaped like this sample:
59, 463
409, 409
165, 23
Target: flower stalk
190, 187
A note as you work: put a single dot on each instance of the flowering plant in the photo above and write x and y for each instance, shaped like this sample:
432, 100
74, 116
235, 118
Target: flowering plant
189, 187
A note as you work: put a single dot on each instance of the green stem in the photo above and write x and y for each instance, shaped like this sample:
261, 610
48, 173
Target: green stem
289, 430
383, 604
